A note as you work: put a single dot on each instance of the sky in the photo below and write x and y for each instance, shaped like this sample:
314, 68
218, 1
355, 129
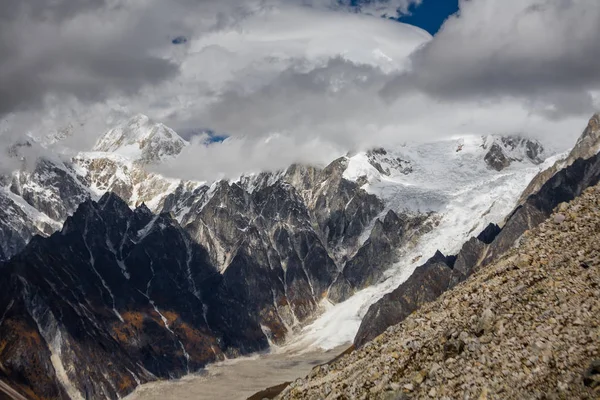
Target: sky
296, 80
430, 14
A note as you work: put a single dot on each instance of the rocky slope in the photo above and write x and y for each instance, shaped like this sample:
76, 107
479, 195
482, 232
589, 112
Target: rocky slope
524, 326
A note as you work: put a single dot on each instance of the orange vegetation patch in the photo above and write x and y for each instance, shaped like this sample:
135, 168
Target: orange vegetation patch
126, 384
21, 330
132, 326
134, 318
201, 346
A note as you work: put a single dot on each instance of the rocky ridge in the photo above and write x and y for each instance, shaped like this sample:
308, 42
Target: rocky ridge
586, 146
117, 298
523, 327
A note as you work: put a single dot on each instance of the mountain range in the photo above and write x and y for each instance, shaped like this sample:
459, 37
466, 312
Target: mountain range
113, 275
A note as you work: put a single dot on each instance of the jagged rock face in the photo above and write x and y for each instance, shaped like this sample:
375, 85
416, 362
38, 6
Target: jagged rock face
587, 146
387, 164
51, 188
115, 299
32, 203
109, 172
379, 251
496, 158
341, 209
266, 244
588, 143
286, 241
503, 151
467, 259
39, 200
16, 227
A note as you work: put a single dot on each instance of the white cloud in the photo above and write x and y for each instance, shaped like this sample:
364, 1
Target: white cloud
237, 156
318, 81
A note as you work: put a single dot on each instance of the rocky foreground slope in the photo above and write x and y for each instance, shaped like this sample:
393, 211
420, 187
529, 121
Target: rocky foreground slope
524, 327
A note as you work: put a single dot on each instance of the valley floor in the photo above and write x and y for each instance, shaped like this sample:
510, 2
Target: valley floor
237, 379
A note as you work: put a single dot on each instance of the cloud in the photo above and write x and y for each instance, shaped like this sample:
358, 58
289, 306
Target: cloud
296, 80
94, 51
88, 50
237, 156
389, 8
542, 51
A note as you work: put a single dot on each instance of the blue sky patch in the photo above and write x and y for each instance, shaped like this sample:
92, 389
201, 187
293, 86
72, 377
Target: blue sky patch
430, 14
179, 40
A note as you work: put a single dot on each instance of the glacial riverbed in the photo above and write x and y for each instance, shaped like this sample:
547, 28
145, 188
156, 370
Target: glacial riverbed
237, 379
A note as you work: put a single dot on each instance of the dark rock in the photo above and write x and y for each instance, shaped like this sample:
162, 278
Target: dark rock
488, 235
63, 191
496, 158
591, 377
586, 147
564, 186
282, 243
468, 258
502, 152
453, 348
378, 252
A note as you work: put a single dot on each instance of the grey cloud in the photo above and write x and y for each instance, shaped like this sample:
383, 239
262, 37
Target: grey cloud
95, 49
43, 10
75, 48
378, 7
544, 51
314, 102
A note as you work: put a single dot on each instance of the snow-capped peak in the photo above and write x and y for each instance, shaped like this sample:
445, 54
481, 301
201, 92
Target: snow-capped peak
141, 139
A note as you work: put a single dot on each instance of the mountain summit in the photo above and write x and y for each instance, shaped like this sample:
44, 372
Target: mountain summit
141, 139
